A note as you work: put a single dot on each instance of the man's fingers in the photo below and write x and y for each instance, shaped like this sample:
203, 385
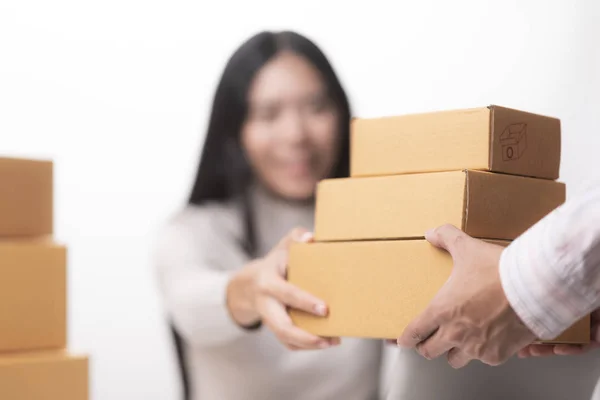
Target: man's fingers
524, 353
570, 350
447, 237
296, 298
435, 346
418, 330
541, 350
458, 359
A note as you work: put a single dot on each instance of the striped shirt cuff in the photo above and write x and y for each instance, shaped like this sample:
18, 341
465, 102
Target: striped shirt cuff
551, 273
521, 295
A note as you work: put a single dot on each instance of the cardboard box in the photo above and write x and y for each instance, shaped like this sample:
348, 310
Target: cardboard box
375, 288
483, 204
44, 376
488, 138
33, 295
26, 197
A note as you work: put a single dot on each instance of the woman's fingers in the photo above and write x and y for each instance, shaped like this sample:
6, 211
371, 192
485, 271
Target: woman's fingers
273, 295
279, 255
295, 235
294, 297
277, 319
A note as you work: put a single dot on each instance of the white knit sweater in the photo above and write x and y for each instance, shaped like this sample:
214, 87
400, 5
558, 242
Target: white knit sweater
197, 251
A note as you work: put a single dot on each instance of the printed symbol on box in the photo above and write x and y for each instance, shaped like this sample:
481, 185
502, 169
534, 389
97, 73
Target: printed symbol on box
513, 141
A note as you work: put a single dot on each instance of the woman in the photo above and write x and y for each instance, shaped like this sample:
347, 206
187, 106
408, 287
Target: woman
279, 124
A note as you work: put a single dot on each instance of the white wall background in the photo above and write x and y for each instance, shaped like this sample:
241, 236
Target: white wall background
117, 93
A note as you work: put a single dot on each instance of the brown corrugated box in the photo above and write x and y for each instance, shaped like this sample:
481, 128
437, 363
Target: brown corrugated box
26, 197
490, 171
488, 138
483, 204
33, 294
55, 375
375, 288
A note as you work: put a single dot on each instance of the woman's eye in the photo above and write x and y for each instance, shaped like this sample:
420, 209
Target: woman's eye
267, 114
318, 105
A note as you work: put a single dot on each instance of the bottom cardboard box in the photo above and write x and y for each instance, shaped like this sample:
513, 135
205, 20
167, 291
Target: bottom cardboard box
43, 376
375, 288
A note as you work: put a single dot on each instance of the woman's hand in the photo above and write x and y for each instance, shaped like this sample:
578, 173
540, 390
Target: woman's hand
260, 292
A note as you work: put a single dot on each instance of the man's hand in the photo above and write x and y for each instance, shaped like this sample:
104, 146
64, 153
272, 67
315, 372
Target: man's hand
470, 317
543, 350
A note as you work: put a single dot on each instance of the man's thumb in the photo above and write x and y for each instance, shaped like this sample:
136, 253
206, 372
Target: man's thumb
446, 237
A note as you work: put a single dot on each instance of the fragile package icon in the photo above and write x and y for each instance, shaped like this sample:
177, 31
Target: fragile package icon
513, 141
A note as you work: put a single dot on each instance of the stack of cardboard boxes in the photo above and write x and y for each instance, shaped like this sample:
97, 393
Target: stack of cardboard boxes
489, 171
34, 361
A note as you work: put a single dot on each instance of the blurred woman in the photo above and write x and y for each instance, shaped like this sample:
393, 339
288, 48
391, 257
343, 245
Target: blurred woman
279, 124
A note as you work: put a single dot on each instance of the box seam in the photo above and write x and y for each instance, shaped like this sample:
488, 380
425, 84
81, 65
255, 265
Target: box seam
491, 137
465, 212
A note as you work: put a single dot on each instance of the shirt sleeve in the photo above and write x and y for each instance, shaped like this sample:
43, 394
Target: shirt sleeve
194, 269
551, 273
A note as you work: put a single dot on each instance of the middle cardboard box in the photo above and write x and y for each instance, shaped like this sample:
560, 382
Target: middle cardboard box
483, 204
33, 294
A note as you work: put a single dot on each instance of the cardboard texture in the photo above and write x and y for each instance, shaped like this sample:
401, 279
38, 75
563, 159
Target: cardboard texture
44, 376
33, 295
26, 197
483, 204
375, 288
488, 138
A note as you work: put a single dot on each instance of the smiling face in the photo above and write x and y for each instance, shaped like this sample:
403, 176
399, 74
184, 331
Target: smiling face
291, 133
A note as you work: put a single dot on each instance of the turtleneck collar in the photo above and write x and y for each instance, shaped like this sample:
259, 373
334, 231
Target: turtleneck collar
274, 216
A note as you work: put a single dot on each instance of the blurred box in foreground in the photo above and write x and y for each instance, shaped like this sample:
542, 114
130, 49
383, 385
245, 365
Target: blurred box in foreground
26, 197
33, 294
51, 375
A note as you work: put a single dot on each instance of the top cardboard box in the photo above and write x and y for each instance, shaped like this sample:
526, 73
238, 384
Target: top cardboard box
490, 138
26, 197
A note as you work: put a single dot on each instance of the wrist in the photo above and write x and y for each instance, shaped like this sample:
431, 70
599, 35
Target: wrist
240, 298
519, 293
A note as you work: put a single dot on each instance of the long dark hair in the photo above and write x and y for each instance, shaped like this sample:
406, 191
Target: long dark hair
223, 172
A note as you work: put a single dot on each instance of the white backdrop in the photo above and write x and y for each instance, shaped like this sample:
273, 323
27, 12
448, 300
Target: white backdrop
117, 94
